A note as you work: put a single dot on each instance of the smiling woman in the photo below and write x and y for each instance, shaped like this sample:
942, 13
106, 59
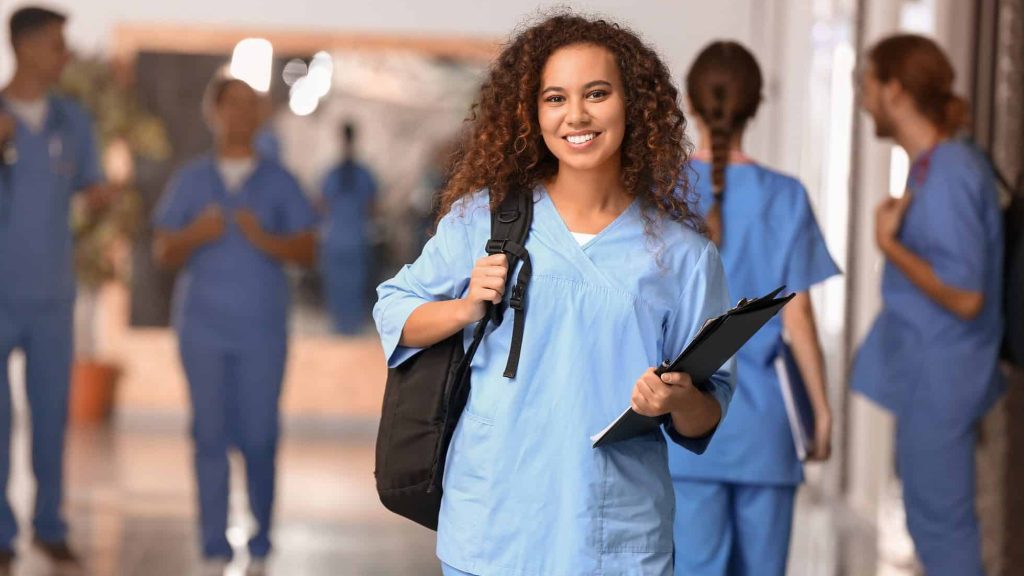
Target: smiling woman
587, 115
582, 117
579, 116
526, 122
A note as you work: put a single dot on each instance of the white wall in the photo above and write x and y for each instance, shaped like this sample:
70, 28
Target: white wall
677, 29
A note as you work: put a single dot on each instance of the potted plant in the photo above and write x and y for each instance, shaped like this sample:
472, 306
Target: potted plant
125, 133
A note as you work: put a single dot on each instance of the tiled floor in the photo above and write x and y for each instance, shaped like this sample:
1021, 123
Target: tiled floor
130, 494
130, 502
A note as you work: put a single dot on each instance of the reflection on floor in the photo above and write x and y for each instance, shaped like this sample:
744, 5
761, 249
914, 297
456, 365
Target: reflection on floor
130, 500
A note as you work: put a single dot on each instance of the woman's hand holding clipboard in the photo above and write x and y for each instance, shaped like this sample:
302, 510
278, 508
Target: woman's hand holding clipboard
718, 340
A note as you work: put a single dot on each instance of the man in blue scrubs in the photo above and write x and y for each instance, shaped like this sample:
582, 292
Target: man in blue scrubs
49, 156
931, 357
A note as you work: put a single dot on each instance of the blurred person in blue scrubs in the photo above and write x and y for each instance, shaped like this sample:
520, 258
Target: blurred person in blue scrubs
349, 198
49, 160
734, 503
931, 357
231, 221
425, 198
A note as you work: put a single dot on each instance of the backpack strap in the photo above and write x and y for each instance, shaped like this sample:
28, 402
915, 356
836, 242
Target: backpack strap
510, 225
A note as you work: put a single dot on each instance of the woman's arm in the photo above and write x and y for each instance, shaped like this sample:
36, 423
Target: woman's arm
433, 322
798, 319
694, 413
965, 304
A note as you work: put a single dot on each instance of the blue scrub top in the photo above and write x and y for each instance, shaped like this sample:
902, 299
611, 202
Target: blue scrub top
918, 355
35, 193
770, 239
230, 293
524, 491
349, 190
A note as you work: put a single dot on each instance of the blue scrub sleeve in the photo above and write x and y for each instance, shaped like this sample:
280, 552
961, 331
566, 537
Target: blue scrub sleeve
953, 203
174, 211
704, 296
440, 273
88, 171
808, 261
298, 214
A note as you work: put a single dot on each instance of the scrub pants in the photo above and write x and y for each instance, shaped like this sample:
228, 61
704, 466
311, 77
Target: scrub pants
235, 398
345, 278
936, 465
43, 331
732, 529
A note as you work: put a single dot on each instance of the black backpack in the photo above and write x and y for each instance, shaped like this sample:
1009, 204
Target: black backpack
424, 396
1013, 273
1012, 347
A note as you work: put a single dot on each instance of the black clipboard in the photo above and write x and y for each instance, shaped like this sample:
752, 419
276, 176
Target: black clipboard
717, 341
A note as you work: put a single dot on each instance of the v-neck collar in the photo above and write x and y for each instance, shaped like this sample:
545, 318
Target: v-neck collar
222, 188
562, 229
48, 119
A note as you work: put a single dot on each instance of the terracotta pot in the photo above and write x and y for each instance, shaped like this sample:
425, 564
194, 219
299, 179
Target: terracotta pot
93, 384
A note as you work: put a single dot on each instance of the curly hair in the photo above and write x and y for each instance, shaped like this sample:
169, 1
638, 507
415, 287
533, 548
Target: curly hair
503, 150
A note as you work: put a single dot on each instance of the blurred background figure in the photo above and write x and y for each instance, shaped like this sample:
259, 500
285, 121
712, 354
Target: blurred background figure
744, 487
349, 199
426, 198
233, 220
932, 357
49, 155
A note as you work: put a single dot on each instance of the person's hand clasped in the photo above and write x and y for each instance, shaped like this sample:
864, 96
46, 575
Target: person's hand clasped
889, 218
250, 225
209, 225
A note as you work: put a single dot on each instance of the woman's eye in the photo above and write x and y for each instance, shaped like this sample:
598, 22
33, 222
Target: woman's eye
597, 94
555, 99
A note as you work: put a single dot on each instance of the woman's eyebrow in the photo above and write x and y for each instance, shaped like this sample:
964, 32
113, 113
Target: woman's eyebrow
586, 86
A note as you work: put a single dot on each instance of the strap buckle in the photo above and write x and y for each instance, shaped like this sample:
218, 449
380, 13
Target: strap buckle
516, 300
496, 246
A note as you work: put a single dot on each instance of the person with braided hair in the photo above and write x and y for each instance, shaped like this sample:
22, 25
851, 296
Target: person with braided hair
742, 489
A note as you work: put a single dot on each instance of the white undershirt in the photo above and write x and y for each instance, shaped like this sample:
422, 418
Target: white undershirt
235, 171
31, 112
582, 238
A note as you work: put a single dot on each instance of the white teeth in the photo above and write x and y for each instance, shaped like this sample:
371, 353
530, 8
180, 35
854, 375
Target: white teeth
580, 139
